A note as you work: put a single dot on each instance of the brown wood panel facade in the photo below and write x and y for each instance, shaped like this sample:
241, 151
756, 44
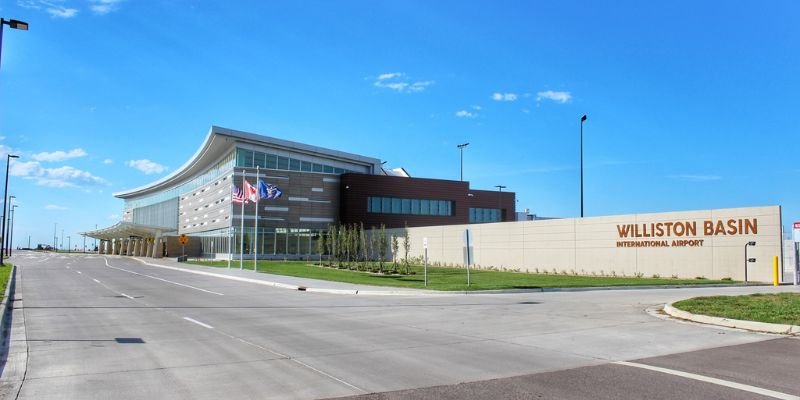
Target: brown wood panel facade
355, 190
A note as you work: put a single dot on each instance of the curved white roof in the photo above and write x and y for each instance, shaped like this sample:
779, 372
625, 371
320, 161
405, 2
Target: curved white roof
221, 140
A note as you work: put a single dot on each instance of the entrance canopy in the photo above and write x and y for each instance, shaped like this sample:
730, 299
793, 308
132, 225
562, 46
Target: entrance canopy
126, 230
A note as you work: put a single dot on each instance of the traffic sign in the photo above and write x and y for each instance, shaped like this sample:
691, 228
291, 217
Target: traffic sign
183, 239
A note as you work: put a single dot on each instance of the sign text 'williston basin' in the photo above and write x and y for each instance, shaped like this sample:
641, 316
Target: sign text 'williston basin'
729, 227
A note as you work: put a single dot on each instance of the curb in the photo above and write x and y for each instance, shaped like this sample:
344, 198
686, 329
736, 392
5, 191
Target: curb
288, 286
733, 323
7, 306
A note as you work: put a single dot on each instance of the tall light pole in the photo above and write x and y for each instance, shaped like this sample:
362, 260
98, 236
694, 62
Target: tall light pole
5, 195
13, 24
461, 147
11, 235
55, 236
500, 200
6, 233
583, 118
69, 244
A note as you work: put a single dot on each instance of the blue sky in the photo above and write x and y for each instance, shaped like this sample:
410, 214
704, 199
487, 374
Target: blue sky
691, 105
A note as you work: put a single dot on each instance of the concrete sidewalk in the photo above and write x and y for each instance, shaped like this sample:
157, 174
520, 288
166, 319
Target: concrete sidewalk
286, 282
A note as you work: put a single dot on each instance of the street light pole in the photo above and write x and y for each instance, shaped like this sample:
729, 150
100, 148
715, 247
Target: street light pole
7, 233
5, 194
69, 244
583, 118
500, 200
11, 229
461, 147
13, 24
55, 236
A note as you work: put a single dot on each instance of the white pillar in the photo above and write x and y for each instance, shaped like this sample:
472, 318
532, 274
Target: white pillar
157, 247
148, 247
129, 247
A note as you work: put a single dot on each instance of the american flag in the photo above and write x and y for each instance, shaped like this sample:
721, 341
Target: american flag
238, 196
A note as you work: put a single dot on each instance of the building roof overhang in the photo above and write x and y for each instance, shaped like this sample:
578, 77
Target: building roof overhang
220, 141
127, 229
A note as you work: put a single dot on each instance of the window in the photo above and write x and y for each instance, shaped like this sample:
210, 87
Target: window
270, 161
258, 159
294, 165
305, 166
482, 215
283, 163
394, 205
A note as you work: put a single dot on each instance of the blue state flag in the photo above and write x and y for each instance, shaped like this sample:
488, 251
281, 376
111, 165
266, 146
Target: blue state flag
268, 191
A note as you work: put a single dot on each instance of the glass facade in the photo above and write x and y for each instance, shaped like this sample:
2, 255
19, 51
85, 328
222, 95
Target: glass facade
214, 172
251, 159
482, 215
395, 205
271, 242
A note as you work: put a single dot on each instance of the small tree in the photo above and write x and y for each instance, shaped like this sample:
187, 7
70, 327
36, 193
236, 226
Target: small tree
395, 249
335, 244
363, 239
406, 247
382, 245
373, 246
320, 245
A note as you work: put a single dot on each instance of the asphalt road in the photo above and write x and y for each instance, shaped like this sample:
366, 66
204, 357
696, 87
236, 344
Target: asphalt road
100, 328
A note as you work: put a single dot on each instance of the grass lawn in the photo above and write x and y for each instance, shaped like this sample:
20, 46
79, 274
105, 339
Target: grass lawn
449, 278
5, 273
781, 308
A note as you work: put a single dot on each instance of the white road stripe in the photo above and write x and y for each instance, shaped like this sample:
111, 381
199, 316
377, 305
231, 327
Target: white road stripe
708, 379
162, 279
194, 321
125, 295
95, 280
80, 272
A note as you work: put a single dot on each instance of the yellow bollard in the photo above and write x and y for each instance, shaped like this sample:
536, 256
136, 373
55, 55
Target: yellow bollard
775, 271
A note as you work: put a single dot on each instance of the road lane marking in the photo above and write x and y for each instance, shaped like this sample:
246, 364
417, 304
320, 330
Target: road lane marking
163, 280
125, 295
194, 321
708, 379
95, 280
80, 272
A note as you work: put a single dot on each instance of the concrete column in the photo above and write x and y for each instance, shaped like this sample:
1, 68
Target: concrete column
110, 246
129, 248
142, 243
122, 246
157, 247
135, 251
100, 249
148, 251
117, 246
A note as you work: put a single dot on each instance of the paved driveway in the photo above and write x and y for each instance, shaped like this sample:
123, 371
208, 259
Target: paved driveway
114, 328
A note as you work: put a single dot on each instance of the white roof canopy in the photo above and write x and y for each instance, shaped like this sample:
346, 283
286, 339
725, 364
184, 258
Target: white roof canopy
127, 229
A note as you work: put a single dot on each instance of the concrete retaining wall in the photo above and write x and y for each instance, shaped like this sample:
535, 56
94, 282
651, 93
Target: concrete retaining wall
598, 246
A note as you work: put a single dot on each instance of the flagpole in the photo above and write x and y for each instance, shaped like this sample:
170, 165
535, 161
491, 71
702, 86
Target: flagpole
255, 240
241, 242
230, 228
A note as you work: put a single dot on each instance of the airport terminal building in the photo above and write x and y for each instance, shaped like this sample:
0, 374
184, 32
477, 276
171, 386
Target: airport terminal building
318, 187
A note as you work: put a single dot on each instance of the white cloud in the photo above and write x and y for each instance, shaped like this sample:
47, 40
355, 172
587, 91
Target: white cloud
55, 207
61, 12
696, 178
504, 96
108, 161
390, 75
103, 7
558, 97
59, 155
61, 177
465, 114
146, 166
399, 82
53, 7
